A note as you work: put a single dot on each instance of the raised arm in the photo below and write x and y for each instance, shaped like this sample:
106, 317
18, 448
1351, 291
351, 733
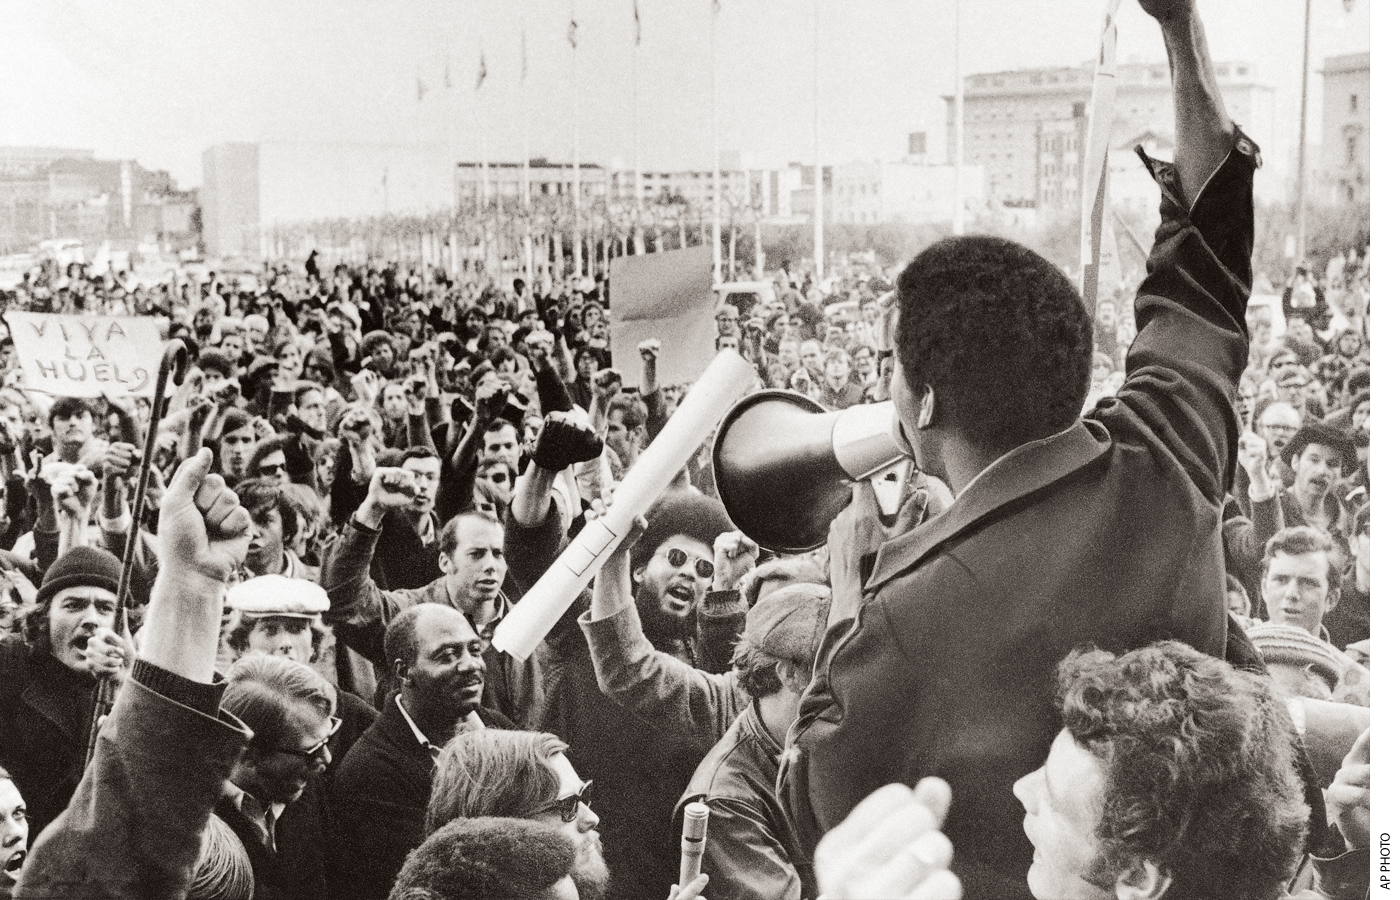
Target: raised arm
1204, 131
135, 824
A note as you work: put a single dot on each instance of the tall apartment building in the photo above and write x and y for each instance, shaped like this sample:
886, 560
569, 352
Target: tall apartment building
1027, 127
1343, 170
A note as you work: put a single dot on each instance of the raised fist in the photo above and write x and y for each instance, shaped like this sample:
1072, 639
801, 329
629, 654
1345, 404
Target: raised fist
204, 532
74, 491
1254, 456
566, 438
355, 426
390, 487
118, 460
649, 349
606, 383
735, 557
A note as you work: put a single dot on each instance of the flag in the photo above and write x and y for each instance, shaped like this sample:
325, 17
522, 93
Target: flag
573, 33
1093, 199
637, 17
481, 72
422, 90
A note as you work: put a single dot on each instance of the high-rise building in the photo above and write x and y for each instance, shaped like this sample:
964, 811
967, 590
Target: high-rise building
1027, 127
1343, 170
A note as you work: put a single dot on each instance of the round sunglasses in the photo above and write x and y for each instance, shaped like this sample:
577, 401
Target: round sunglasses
677, 557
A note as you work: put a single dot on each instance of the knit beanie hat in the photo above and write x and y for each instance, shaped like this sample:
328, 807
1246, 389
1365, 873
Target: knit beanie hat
681, 512
80, 567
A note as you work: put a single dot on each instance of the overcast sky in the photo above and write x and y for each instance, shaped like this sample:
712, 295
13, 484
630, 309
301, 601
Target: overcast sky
160, 80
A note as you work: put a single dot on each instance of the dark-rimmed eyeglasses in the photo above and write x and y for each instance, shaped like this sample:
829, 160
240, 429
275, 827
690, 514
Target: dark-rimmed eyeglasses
566, 808
677, 557
313, 753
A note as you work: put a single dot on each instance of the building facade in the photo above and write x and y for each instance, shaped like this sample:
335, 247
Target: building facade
252, 189
51, 193
1343, 171
869, 193
1026, 127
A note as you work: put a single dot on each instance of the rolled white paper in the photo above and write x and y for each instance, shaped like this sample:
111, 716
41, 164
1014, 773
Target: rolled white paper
719, 386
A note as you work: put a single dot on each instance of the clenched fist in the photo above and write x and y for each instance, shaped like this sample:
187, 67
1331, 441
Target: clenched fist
204, 532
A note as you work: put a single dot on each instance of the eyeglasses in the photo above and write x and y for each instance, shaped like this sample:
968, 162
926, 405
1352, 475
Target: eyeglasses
677, 557
567, 807
313, 753
270, 469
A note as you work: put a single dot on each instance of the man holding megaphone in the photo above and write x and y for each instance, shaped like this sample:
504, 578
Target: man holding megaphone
1064, 531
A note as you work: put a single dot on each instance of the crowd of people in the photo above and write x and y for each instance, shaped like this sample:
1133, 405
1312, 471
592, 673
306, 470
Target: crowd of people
1116, 644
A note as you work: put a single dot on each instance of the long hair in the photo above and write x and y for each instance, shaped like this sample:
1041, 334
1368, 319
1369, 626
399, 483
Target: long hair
493, 773
223, 871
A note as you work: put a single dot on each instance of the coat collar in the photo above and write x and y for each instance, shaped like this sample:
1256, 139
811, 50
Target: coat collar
1018, 474
59, 694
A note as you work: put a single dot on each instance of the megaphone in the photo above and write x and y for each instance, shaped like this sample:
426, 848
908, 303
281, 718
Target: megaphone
784, 465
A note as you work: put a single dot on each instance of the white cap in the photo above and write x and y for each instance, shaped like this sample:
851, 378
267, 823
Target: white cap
278, 595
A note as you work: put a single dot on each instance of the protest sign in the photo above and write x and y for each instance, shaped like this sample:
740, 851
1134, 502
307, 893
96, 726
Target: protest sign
668, 296
86, 355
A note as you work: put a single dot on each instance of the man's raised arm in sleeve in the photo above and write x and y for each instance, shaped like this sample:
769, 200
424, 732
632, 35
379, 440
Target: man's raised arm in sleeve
1183, 369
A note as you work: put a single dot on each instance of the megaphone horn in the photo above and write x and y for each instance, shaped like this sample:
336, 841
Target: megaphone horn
783, 465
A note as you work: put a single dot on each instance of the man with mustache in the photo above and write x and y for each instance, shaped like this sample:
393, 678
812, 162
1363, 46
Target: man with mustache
382, 788
74, 438
1319, 456
48, 675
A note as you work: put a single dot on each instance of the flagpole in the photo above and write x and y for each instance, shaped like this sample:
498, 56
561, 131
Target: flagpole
714, 135
639, 239
818, 203
958, 223
578, 189
525, 169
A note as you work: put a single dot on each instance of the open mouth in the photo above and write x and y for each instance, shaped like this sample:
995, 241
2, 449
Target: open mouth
80, 642
16, 862
678, 598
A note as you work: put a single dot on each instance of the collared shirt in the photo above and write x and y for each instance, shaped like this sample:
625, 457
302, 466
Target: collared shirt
471, 723
1010, 453
265, 817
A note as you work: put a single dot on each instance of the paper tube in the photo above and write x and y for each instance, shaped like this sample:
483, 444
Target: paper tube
721, 384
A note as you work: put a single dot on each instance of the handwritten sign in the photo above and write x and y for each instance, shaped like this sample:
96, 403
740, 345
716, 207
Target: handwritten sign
86, 356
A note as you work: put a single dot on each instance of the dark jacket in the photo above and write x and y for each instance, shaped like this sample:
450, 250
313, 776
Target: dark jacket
298, 869
45, 713
135, 824
751, 849
360, 612
381, 794
1107, 533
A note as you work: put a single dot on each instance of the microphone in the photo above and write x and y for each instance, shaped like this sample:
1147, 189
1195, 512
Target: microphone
697, 818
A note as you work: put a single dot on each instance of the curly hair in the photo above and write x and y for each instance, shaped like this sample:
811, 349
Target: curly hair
493, 773
1198, 768
489, 858
999, 334
1302, 539
756, 671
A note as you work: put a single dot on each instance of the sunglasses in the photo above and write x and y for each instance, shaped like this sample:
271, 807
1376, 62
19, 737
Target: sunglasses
272, 468
313, 753
567, 807
677, 557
